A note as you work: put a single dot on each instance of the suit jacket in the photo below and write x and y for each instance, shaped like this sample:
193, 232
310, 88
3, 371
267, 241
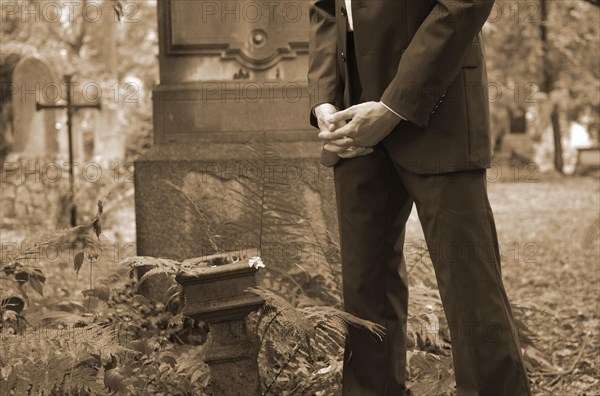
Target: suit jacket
422, 58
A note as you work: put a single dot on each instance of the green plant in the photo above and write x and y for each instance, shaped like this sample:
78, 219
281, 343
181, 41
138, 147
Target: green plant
117, 343
301, 348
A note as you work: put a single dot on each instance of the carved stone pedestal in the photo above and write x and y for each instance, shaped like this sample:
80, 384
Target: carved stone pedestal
216, 295
232, 355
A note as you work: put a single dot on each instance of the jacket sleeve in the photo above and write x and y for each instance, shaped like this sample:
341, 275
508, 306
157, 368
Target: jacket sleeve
322, 59
434, 57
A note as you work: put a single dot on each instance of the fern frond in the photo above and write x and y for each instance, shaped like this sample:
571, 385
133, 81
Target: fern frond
340, 320
169, 266
288, 316
64, 358
430, 374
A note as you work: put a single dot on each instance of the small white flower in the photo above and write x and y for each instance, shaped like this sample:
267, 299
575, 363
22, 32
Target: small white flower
256, 262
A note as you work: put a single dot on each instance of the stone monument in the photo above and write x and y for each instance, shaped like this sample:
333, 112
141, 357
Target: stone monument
231, 73
232, 96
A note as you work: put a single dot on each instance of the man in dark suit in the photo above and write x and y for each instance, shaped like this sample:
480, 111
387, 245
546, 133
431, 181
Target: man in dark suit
398, 91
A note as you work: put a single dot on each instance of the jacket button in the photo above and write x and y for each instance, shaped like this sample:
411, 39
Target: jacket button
343, 11
343, 57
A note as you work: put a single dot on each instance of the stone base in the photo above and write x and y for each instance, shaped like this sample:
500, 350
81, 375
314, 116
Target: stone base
193, 200
232, 355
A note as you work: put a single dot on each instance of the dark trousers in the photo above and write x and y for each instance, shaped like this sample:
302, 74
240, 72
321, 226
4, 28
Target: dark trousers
374, 199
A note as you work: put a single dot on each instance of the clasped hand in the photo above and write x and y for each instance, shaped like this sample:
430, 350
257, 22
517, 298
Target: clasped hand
354, 131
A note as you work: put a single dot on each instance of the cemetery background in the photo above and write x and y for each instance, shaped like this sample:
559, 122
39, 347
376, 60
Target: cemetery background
547, 220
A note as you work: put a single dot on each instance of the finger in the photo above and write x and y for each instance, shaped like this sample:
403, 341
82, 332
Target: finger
359, 151
331, 126
337, 125
345, 142
335, 149
343, 115
348, 130
324, 124
367, 151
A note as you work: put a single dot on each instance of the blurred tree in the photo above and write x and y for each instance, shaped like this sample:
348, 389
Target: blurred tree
101, 41
548, 82
524, 72
545, 54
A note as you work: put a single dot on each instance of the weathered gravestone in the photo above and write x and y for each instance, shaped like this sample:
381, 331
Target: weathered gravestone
30, 189
231, 73
35, 133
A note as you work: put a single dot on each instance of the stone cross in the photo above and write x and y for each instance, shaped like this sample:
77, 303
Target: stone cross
71, 108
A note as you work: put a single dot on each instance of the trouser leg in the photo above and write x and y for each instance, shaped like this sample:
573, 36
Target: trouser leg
460, 233
373, 208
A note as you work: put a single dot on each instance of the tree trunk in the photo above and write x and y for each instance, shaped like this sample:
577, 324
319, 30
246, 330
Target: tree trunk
548, 86
558, 151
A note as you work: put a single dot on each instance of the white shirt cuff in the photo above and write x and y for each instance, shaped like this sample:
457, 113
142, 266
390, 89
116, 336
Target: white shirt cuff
390, 109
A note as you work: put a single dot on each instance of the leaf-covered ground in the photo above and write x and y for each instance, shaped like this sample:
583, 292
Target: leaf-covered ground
549, 236
556, 270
